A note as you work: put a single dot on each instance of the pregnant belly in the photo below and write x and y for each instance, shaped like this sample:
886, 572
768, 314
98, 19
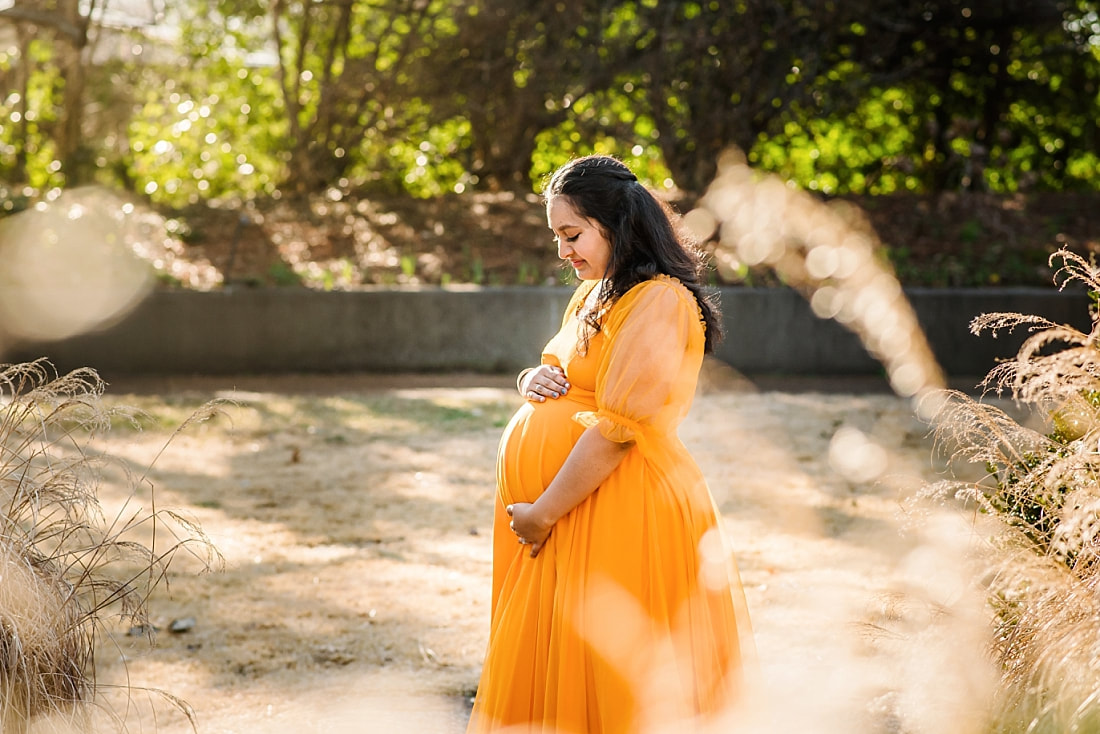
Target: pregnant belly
534, 446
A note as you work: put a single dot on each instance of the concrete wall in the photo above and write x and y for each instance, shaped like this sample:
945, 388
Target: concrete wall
773, 331
770, 331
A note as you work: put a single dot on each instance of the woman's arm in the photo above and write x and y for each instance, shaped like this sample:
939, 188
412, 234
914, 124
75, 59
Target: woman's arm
590, 462
649, 331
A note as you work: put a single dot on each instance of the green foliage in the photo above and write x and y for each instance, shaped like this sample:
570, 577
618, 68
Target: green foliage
283, 274
207, 141
1024, 502
477, 270
425, 163
25, 124
408, 265
971, 230
258, 97
872, 150
637, 147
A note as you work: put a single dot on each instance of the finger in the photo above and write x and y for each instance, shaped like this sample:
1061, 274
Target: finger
555, 389
512, 526
535, 548
509, 509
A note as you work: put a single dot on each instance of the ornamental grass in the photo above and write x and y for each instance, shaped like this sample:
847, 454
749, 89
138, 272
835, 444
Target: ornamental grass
69, 575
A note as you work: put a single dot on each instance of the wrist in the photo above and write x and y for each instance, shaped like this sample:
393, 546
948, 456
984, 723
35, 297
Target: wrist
542, 514
522, 376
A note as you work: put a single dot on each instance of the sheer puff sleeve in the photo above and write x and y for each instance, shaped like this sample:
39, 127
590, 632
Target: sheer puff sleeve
647, 334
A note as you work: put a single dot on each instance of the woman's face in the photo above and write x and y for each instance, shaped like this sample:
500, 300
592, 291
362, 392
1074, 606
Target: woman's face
580, 240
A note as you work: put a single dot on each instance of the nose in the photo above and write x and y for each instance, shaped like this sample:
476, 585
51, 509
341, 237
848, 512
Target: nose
564, 249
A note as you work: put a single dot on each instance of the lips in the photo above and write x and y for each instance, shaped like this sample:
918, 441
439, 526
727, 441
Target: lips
577, 264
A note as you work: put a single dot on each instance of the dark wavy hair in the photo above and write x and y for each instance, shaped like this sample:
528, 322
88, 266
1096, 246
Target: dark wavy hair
643, 232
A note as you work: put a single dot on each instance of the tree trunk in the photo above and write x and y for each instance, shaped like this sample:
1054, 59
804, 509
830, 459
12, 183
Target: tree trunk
23, 70
71, 151
504, 164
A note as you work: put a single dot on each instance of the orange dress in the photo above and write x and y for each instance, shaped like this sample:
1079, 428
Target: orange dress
631, 619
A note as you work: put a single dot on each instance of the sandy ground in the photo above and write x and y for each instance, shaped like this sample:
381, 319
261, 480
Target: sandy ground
353, 514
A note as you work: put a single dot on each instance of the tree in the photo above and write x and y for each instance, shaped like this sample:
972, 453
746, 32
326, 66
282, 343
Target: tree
1006, 90
68, 21
716, 74
514, 69
922, 95
72, 29
344, 71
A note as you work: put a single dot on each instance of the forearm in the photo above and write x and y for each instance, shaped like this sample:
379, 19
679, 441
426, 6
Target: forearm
591, 461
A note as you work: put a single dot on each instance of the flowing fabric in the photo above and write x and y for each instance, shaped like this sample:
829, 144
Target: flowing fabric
631, 619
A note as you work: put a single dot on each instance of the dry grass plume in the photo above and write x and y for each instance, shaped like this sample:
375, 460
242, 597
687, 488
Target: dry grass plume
65, 568
1041, 569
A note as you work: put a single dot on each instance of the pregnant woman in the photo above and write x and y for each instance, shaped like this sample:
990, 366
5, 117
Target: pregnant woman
616, 607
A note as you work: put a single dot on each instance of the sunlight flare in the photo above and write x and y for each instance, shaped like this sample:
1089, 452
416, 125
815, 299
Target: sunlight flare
65, 270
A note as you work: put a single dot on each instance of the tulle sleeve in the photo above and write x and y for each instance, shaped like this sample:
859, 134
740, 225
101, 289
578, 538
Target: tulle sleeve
647, 335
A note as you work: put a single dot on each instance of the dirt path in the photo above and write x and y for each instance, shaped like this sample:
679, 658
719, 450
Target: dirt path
354, 518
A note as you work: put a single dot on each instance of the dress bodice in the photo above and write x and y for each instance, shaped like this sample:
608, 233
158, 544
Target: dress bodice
641, 368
